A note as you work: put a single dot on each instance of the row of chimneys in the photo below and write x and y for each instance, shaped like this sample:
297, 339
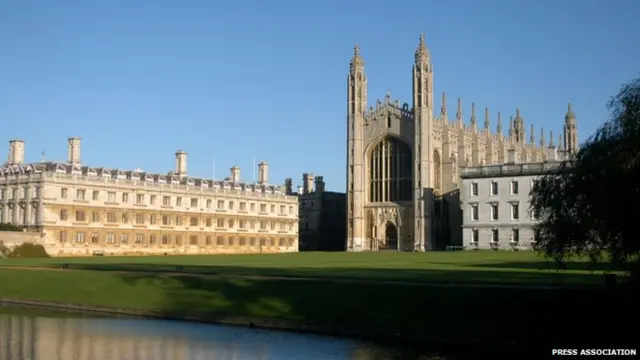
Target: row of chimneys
16, 157
552, 155
181, 169
16, 151
307, 186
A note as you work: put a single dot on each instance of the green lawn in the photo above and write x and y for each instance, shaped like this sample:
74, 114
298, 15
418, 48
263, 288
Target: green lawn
491, 314
442, 267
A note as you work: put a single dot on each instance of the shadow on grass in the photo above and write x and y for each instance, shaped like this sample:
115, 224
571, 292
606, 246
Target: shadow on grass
531, 318
461, 275
548, 265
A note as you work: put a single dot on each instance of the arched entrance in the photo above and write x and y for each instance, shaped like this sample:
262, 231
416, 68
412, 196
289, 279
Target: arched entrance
391, 236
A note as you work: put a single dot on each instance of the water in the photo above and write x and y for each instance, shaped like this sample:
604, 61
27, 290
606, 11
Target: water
37, 334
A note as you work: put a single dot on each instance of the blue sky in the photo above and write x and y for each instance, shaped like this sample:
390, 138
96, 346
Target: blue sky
239, 80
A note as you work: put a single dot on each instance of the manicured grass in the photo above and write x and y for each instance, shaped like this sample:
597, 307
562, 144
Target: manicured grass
442, 267
529, 315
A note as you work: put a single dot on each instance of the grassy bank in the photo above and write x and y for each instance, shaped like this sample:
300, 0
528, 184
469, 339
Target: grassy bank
454, 267
501, 314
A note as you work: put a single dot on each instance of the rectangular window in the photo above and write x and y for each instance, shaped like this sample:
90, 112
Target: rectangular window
94, 238
139, 219
166, 220
220, 204
220, 223
272, 208
474, 212
515, 236
111, 217
166, 200
124, 239
243, 206
63, 236
208, 203
63, 215
252, 207
95, 217
140, 199
152, 219
475, 236
111, 196
193, 221
124, 218
231, 205
80, 194
474, 189
194, 203
139, 238
111, 238
494, 212
178, 201
80, 215
495, 235
63, 193
125, 197
152, 200
515, 211
178, 221
79, 237
263, 208
514, 187
494, 188
96, 195
193, 240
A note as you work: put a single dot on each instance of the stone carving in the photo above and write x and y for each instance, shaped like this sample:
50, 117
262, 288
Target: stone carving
387, 214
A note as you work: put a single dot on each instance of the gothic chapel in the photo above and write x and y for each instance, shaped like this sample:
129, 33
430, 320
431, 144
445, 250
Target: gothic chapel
403, 162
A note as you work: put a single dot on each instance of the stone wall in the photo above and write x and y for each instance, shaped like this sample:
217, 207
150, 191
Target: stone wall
12, 239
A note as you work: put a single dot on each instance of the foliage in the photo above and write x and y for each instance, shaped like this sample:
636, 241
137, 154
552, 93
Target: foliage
28, 250
9, 227
590, 207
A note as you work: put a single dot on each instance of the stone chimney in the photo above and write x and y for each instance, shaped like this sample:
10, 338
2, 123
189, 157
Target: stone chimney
181, 163
307, 183
16, 152
73, 151
319, 184
263, 173
512, 156
300, 190
288, 186
235, 174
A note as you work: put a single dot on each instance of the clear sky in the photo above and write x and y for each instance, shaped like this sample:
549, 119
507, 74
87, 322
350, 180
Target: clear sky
238, 80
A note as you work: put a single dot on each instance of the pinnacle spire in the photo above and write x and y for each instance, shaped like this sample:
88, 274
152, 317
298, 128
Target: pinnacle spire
459, 111
570, 115
499, 127
532, 136
486, 118
551, 144
510, 125
443, 110
357, 62
473, 114
542, 140
422, 55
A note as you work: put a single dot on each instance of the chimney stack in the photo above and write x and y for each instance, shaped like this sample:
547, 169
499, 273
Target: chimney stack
288, 186
319, 184
16, 152
181, 163
263, 173
512, 156
235, 174
307, 183
73, 151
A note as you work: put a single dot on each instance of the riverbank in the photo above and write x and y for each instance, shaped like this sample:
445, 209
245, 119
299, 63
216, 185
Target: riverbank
507, 317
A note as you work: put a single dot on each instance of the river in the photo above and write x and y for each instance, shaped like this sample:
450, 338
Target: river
42, 334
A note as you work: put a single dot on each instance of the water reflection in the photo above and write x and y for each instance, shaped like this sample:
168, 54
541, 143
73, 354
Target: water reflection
28, 335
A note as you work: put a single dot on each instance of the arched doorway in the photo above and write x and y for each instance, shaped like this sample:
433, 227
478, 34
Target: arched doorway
391, 236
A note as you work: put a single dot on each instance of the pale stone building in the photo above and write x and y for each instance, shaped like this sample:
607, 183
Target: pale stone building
322, 218
496, 205
84, 210
404, 161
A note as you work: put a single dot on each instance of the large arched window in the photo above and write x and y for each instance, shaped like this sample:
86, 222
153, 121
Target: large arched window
390, 171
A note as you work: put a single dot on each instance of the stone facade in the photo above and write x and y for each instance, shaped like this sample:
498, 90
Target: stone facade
403, 162
322, 215
83, 210
496, 204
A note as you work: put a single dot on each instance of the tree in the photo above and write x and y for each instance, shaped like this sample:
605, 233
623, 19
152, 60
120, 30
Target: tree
591, 206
